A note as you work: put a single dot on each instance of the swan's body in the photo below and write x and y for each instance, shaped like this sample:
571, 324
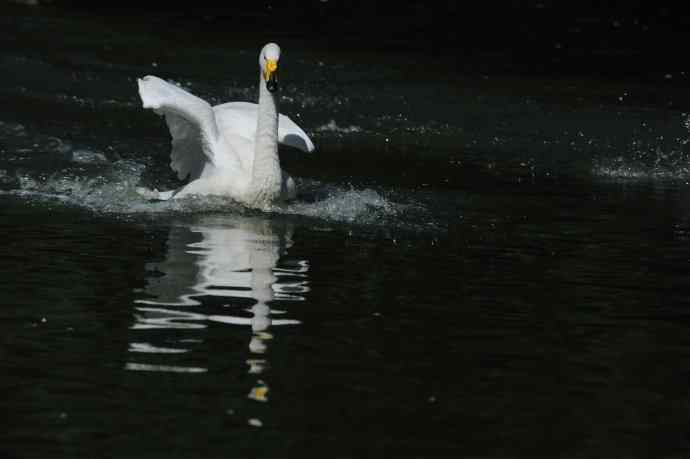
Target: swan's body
230, 149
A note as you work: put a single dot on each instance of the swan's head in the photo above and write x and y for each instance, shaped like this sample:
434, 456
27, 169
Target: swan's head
268, 63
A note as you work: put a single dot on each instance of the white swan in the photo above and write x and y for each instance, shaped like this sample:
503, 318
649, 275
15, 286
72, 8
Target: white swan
230, 149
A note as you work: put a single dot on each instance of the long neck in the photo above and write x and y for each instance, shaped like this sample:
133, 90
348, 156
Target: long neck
266, 174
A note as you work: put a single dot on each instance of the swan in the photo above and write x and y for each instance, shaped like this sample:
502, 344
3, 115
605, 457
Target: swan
230, 149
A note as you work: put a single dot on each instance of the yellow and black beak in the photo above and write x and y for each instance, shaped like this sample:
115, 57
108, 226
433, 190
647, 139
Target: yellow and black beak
271, 75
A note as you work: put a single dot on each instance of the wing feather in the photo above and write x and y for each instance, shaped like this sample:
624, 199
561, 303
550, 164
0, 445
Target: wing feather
191, 122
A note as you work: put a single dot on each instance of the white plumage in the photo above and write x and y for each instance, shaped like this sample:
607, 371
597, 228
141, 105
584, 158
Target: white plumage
230, 149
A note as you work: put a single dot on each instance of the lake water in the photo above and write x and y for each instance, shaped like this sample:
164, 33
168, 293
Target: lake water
477, 264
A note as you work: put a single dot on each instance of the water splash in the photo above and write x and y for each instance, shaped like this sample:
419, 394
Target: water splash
655, 157
656, 164
49, 169
83, 156
333, 127
349, 205
112, 188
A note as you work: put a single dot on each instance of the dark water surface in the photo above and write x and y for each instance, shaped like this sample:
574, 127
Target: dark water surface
478, 264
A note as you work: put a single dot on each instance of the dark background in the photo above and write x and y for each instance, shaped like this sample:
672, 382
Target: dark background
598, 38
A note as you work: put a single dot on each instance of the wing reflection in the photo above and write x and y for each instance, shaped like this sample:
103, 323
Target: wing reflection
230, 270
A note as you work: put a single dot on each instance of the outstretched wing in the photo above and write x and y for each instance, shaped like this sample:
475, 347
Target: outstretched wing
240, 118
191, 121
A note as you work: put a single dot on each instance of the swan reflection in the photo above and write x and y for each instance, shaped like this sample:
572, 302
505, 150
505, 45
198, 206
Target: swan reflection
223, 270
